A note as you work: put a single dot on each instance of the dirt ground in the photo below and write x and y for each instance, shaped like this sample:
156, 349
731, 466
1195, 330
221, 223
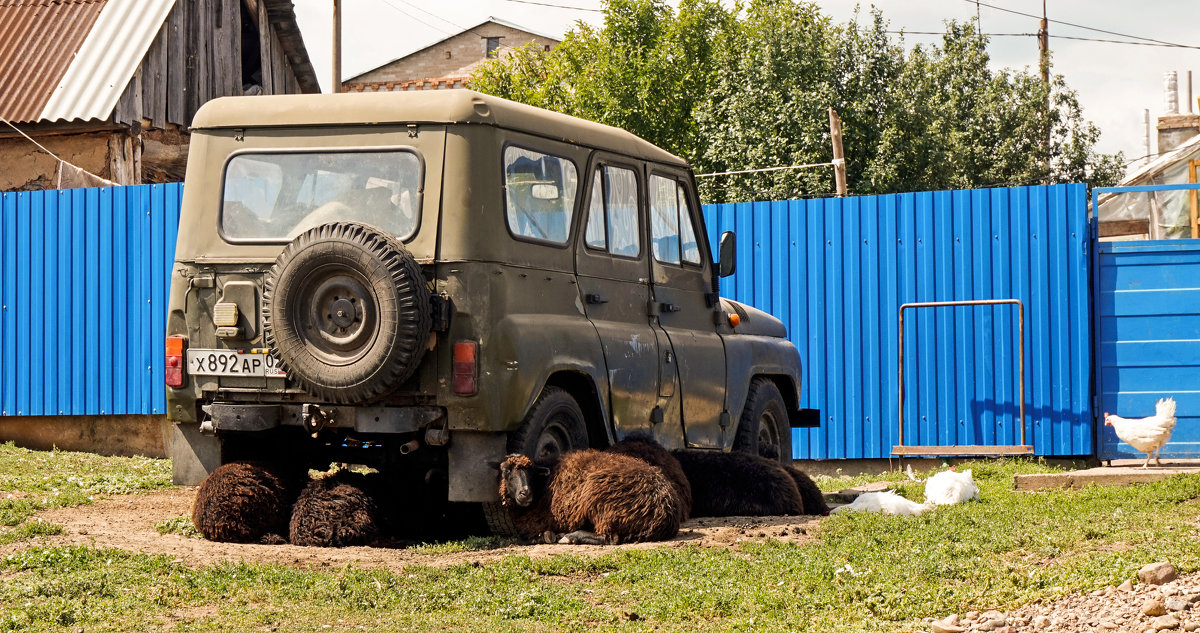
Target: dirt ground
127, 522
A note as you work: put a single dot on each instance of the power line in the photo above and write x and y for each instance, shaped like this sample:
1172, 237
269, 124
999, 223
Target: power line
1079, 26
556, 6
1061, 37
981, 34
461, 29
1092, 39
409, 15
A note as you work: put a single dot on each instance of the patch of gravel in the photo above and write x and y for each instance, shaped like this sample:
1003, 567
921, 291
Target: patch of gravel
1160, 601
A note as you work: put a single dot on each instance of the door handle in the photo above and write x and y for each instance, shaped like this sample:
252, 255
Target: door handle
595, 298
669, 307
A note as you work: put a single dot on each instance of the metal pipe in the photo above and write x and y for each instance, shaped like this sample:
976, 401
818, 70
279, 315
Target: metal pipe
409, 447
983, 302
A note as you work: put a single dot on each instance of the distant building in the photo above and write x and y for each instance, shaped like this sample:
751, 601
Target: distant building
110, 86
450, 62
1172, 214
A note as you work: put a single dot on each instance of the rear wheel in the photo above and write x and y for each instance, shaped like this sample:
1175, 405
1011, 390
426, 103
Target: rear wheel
553, 427
764, 429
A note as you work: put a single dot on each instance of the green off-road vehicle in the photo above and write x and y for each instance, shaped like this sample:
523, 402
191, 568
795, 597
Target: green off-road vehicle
423, 282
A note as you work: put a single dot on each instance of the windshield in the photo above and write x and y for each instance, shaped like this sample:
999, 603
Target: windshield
275, 197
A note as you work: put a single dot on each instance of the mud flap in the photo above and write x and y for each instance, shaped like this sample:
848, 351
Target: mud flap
472, 478
193, 456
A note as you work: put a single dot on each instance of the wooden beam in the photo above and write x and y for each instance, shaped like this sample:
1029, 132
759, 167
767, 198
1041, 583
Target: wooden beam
965, 449
839, 159
1124, 227
1195, 208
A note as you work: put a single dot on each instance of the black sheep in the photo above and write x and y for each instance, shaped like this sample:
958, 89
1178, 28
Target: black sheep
618, 497
336, 511
644, 447
814, 499
738, 484
245, 502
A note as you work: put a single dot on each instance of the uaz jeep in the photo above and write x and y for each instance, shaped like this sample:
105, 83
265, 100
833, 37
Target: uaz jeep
423, 282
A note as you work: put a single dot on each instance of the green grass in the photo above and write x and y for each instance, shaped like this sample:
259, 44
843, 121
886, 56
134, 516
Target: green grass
32, 481
863, 573
181, 525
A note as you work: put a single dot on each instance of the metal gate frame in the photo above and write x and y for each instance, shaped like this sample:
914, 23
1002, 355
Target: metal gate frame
963, 449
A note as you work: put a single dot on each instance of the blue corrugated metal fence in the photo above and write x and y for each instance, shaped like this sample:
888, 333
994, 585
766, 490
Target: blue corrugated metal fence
837, 270
83, 289
1149, 338
85, 273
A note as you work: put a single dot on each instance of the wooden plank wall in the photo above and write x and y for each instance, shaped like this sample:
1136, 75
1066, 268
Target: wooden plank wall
196, 57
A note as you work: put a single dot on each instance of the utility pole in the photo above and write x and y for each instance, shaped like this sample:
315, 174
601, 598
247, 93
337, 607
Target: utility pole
337, 46
839, 159
1044, 62
1044, 46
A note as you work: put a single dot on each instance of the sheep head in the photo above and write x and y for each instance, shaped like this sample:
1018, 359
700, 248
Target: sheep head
517, 480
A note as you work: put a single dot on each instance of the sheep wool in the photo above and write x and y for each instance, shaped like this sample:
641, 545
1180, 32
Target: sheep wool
646, 448
336, 511
738, 484
244, 502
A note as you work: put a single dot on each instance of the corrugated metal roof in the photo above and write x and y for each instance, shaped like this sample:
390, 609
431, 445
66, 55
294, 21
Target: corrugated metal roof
38, 41
106, 60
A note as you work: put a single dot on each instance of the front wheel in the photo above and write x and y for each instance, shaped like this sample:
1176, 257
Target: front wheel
764, 429
553, 427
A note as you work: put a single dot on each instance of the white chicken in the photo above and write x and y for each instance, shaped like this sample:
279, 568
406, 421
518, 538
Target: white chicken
1148, 435
950, 487
886, 502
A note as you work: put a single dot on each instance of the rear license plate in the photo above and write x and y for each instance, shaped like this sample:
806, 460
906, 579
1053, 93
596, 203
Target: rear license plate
224, 362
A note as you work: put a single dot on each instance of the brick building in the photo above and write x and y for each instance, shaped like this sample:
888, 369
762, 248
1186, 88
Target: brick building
450, 62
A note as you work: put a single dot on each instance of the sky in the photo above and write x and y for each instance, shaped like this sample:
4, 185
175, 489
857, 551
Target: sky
1116, 82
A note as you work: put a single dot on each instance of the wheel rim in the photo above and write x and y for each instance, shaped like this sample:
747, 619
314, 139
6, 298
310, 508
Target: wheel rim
768, 438
337, 316
554, 440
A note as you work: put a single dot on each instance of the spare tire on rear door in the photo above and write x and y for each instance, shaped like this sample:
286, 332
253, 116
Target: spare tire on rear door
346, 312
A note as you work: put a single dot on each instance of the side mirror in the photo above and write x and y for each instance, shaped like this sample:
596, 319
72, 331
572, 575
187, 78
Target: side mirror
728, 262
544, 192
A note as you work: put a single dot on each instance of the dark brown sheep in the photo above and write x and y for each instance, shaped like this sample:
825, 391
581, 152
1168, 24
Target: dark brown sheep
618, 497
738, 484
336, 511
814, 499
245, 502
644, 447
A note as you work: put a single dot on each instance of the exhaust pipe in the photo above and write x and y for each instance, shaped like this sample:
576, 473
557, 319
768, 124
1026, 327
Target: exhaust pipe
409, 447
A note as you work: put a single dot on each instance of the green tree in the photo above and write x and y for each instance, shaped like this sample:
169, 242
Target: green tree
644, 71
750, 87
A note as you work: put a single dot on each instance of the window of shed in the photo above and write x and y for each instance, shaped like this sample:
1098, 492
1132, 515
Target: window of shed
540, 194
493, 44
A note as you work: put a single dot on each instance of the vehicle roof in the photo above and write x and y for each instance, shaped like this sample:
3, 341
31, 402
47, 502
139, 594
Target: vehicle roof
421, 106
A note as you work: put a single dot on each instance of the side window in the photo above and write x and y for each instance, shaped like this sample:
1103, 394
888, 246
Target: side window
673, 238
540, 194
613, 212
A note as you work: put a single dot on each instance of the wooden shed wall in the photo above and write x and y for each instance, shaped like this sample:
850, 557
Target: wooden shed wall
197, 57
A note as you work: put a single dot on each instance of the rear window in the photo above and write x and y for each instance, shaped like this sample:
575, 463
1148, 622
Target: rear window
277, 196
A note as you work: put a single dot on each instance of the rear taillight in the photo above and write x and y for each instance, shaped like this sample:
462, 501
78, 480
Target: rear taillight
174, 374
466, 368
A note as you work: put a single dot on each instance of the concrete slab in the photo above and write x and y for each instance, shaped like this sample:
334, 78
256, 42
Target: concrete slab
1121, 472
